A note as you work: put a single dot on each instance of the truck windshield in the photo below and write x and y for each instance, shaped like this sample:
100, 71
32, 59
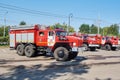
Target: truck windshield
61, 33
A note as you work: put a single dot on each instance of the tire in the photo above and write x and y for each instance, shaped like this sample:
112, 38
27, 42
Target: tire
92, 49
114, 48
20, 50
61, 54
72, 55
86, 47
108, 47
29, 51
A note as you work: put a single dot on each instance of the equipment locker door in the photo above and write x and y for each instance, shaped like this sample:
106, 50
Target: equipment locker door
103, 40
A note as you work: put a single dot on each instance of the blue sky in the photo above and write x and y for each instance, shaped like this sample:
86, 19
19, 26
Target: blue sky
107, 10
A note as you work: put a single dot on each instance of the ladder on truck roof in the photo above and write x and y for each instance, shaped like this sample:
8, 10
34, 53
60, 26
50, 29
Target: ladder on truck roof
21, 27
27, 27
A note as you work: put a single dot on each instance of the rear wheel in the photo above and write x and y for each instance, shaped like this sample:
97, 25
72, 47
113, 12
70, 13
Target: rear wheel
61, 54
29, 51
108, 47
20, 49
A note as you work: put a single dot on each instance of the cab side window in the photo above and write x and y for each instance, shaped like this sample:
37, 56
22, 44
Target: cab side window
51, 33
41, 33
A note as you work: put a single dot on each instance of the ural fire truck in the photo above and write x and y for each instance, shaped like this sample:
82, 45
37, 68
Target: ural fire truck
91, 41
111, 43
29, 40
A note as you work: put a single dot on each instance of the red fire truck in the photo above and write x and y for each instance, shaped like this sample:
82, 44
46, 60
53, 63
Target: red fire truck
29, 40
91, 41
111, 43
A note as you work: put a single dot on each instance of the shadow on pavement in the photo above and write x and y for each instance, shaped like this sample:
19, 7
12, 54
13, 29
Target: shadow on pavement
50, 72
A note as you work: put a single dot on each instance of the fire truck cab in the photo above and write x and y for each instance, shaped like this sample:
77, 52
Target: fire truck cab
29, 40
111, 43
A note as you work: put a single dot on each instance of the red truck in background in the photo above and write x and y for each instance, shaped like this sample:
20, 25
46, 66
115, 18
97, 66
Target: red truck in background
89, 41
111, 43
29, 40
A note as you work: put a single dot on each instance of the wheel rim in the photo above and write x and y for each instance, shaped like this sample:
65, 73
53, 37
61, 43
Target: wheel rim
19, 50
28, 50
61, 53
107, 47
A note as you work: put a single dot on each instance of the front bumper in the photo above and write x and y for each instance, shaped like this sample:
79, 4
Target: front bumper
94, 45
78, 49
115, 45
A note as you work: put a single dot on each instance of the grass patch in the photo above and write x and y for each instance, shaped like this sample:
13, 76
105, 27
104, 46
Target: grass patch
4, 46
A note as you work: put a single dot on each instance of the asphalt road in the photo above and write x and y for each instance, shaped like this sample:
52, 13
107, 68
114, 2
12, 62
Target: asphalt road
95, 65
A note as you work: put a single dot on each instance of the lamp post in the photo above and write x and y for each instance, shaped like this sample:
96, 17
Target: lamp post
98, 22
5, 23
69, 18
119, 28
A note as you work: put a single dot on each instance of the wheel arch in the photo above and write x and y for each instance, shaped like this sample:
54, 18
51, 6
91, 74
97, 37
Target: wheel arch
108, 44
66, 45
85, 43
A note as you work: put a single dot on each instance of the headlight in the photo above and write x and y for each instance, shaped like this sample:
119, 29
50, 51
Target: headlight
90, 42
74, 44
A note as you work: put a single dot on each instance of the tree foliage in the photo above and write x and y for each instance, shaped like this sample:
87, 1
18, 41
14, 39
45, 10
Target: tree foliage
63, 26
84, 28
112, 30
93, 29
22, 23
2, 29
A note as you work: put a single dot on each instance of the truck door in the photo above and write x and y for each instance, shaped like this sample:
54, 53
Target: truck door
103, 40
119, 41
51, 38
42, 38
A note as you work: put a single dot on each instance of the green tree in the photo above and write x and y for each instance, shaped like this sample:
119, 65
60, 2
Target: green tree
6, 30
22, 23
93, 29
1, 30
71, 29
63, 26
105, 31
84, 28
114, 29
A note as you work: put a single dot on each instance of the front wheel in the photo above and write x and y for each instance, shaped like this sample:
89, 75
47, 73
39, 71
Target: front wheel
108, 47
61, 54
